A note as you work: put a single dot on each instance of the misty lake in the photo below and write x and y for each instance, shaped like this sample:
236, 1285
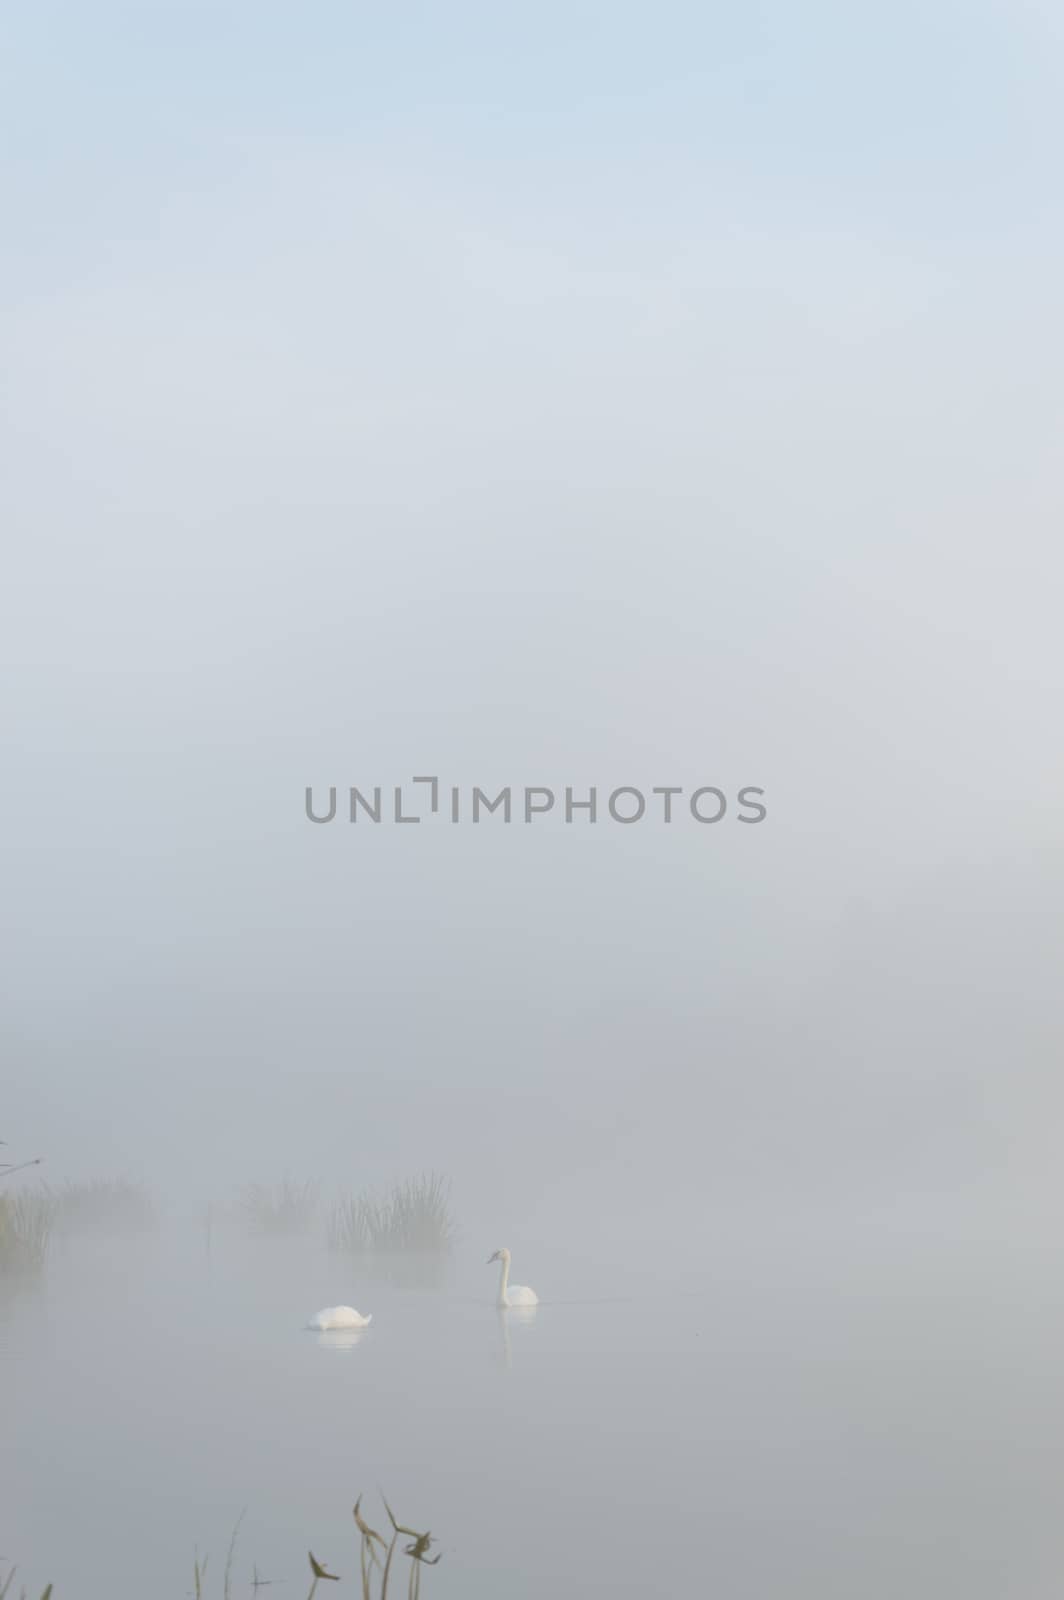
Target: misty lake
801, 1421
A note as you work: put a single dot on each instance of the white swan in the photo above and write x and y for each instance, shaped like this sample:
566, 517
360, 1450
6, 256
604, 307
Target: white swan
511, 1294
334, 1317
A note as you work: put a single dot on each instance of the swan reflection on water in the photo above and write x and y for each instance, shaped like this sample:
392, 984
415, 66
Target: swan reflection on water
339, 1338
513, 1317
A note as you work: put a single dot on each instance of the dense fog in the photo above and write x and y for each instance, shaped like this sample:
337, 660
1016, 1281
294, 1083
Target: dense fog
601, 398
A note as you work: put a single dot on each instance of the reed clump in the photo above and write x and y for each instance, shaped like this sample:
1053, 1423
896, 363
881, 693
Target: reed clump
412, 1218
113, 1204
27, 1217
284, 1207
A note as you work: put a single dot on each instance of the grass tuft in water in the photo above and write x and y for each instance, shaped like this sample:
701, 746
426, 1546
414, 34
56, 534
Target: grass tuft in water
413, 1217
114, 1204
26, 1220
284, 1207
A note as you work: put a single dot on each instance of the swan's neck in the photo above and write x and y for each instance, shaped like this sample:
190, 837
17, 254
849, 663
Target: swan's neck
504, 1278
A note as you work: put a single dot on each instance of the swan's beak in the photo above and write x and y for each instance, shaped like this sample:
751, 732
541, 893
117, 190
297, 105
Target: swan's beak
490, 1259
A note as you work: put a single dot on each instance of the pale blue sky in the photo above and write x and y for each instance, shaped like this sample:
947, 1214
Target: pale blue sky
935, 121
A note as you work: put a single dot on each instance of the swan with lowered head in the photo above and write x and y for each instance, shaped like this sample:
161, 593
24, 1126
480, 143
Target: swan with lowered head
511, 1294
335, 1317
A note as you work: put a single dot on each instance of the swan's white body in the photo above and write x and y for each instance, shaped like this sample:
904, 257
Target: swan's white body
334, 1317
511, 1294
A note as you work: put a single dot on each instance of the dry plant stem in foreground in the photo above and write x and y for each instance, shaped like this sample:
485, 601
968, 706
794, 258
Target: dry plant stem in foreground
371, 1550
379, 1578
5, 1587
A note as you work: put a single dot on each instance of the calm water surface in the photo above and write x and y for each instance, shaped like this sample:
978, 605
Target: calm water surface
883, 1424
